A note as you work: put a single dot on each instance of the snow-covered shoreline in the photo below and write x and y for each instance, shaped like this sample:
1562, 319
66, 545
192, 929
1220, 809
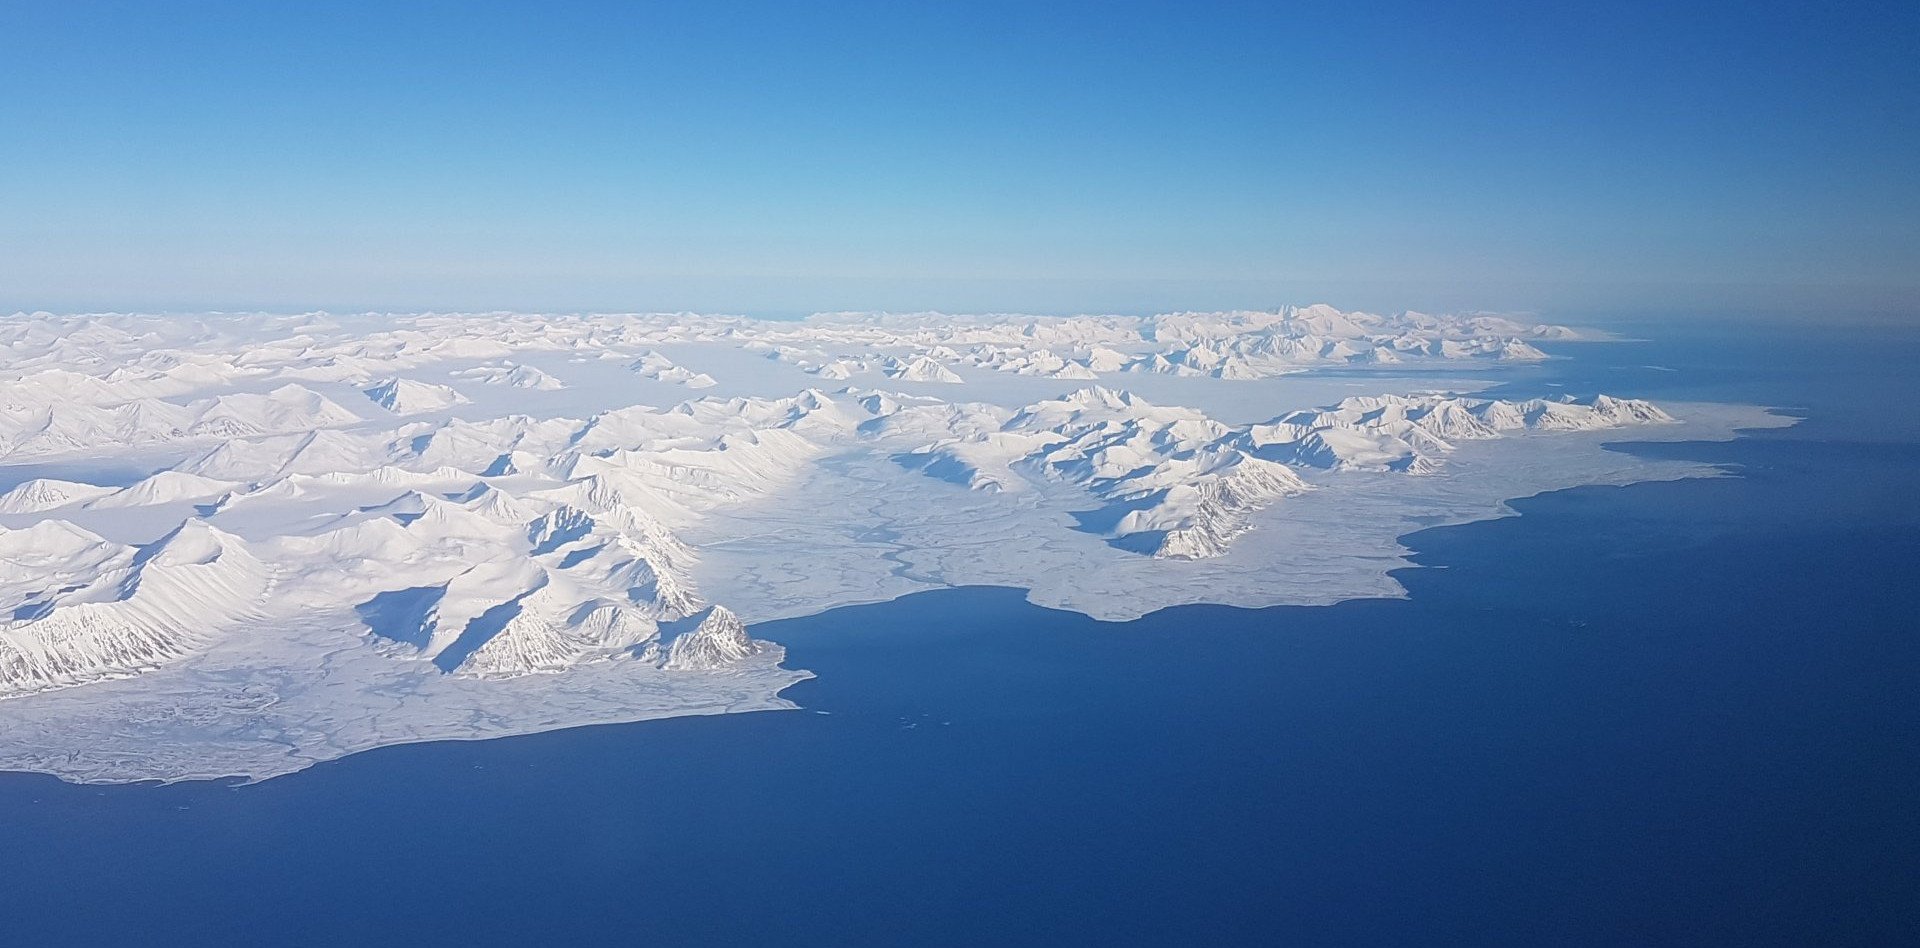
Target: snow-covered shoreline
354, 532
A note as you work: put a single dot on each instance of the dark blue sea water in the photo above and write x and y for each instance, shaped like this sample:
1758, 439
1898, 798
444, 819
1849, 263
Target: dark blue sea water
1678, 713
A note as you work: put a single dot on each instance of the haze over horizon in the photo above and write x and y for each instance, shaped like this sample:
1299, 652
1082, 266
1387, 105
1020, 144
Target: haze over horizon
773, 159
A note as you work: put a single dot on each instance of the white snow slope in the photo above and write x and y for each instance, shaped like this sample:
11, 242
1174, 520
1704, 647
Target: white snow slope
210, 566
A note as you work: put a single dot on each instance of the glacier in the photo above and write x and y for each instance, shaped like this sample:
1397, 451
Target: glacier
325, 533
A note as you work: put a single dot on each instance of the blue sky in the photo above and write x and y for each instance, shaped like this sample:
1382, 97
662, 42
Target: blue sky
1045, 157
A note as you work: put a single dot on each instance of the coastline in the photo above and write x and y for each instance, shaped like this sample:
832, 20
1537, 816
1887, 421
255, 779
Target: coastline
763, 685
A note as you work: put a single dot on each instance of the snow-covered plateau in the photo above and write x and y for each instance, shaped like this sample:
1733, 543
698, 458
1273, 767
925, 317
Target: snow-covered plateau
239, 545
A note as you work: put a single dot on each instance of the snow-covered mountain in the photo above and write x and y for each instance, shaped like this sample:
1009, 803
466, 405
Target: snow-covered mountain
45, 493
118, 610
49, 424
719, 641
1178, 484
515, 531
511, 375
659, 368
408, 397
921, 369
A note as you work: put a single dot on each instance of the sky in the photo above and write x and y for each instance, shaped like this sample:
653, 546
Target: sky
1038, 157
